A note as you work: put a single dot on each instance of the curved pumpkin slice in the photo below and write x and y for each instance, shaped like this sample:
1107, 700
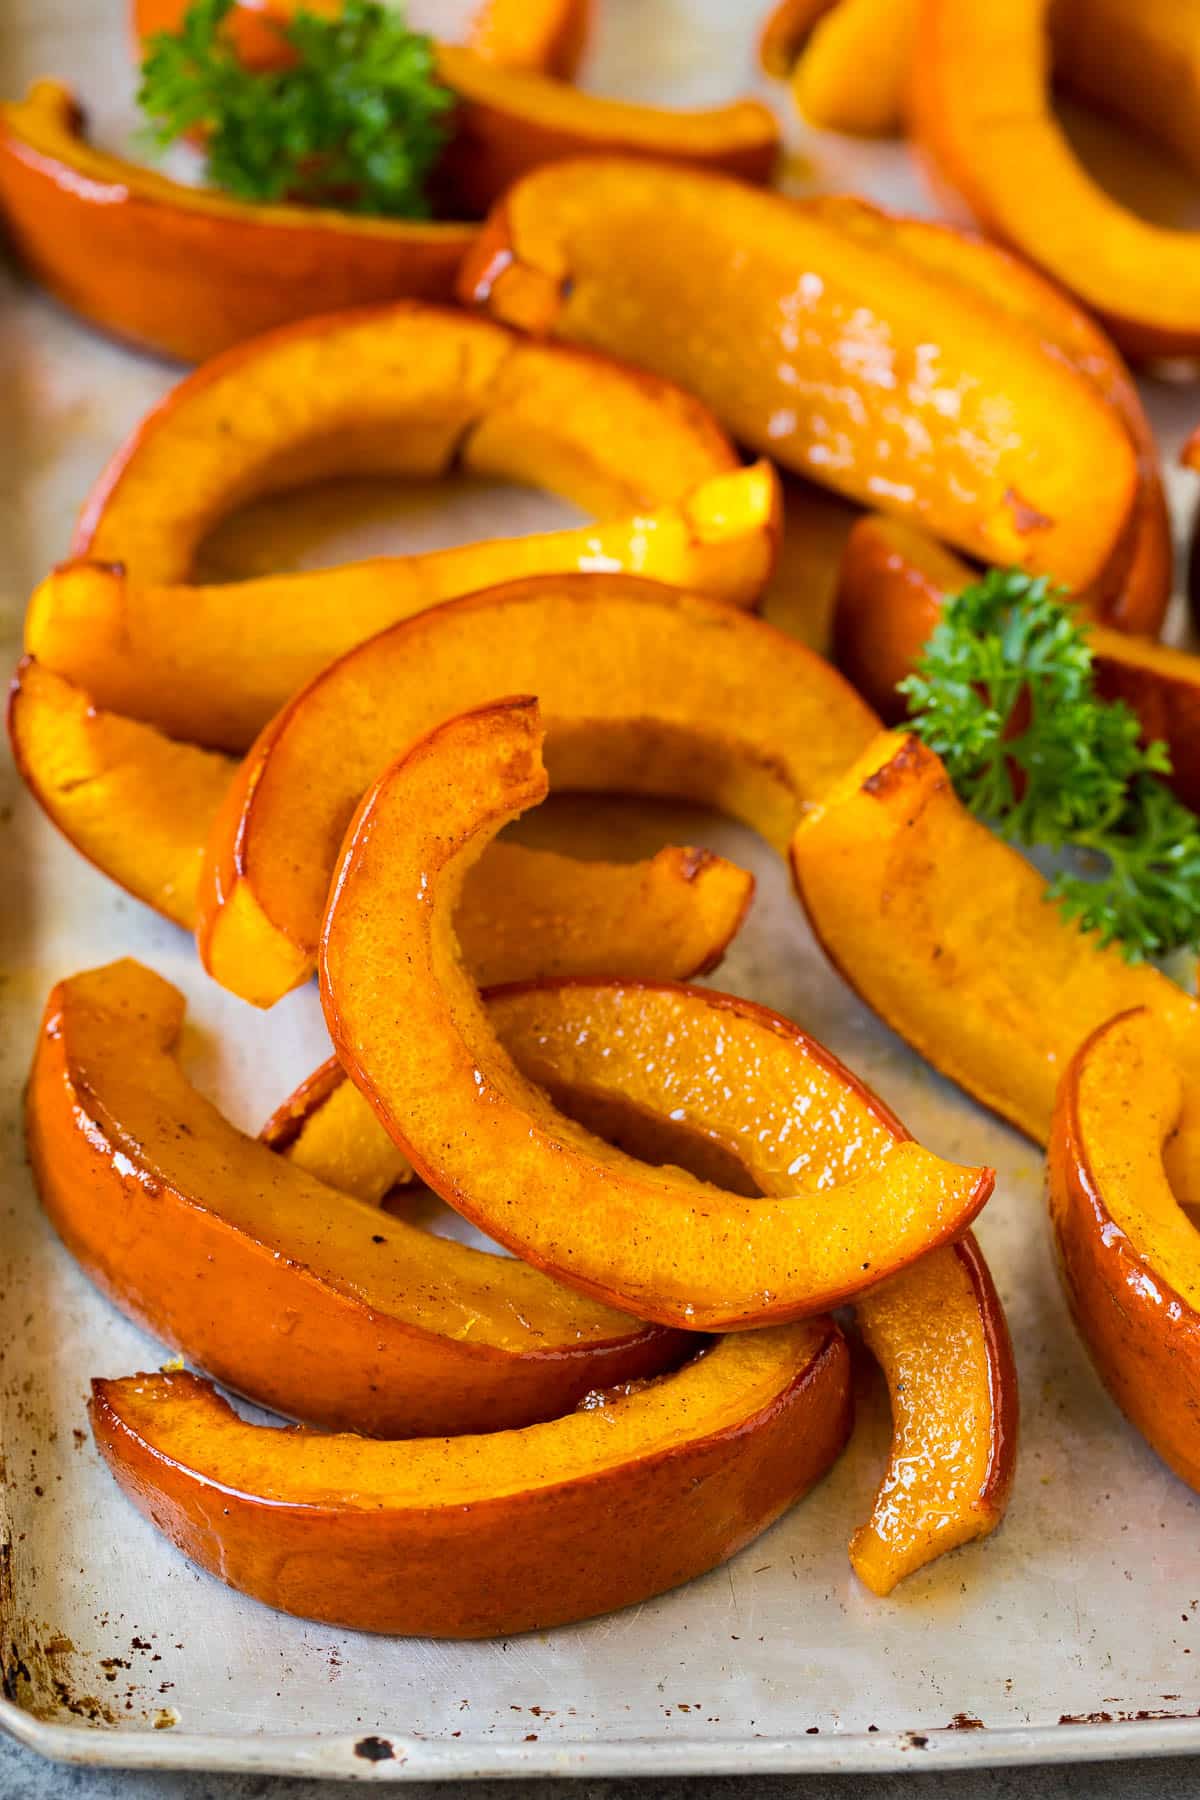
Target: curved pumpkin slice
492, 1144
402, 390
847, 61
194, 1229
855, 365
1132, 592
938, 1328
188, 271
647, 691
939, 1333
982, 113
140, 806
545, 35
890, 592
509, 121
945, 931
1128, 1255
487, 1536
213, 664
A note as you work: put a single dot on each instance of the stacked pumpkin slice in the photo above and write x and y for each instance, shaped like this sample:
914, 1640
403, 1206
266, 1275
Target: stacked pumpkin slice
688, 1183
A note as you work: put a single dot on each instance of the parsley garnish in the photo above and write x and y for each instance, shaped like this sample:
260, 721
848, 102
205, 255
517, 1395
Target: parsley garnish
1005, 694
357, 122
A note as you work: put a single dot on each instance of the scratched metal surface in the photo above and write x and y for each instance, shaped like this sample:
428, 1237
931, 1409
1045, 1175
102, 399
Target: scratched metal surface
1085, 1606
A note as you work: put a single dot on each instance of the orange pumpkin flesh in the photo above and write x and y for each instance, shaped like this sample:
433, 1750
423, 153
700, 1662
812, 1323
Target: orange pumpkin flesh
491, 1143
286, 1289
646, 690
404, 390
855, 365
140, 806
486, 1536
939, 1333
890, 592
213, 664
945, 931
938, 1328
1132, 592
847, 60
981, 112
188, 271
1128, 1255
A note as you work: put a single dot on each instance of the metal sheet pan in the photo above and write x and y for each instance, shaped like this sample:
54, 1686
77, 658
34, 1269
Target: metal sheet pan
1074, 1633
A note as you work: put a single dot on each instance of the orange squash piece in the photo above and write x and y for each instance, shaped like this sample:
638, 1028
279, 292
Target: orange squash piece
214, 663
509, 121
982, 115
893, 581
854, 365
139, 806
847, 61
938, 1328
491, 1535
546, 35
647, 691
298, 1295
188, 271
939, 1333
406, 390
1131, 593
945, 931
490, 1142
1128, 1255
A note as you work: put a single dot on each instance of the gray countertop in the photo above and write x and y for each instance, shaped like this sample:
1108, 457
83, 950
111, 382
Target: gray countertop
24, 1776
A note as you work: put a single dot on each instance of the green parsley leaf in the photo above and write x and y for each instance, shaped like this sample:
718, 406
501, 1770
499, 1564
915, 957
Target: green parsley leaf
1005, 694
358, 122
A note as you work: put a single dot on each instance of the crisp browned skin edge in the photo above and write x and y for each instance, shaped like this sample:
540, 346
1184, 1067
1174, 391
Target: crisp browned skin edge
1002, 1379
501, 1566
1146, 1353
195, 1280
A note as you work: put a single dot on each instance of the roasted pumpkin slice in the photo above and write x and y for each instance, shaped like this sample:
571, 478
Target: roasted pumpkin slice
854, 365
214, 663
649, 1066
646, 690
294, 1293
490, 1141
1129, 1256
139, 806
946, 932
892, 583
488, 1535
403, 390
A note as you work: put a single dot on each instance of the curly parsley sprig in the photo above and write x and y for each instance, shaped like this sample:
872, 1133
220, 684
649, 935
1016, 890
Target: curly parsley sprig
356, 121
1005, 693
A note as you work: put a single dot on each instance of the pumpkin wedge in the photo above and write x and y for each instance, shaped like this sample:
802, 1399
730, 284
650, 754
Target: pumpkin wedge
490, 1141
296, 1294
490, 1535
892, 584
1128, 1255
139, 806
847, 60
647, 691
945, 931
1132, 592
214, 663
188, 271
939, 1334
982, 114
403, 390
938, 1328
508, 121
855, 365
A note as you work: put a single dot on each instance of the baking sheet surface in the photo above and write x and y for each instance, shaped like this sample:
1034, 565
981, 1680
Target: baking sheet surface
1075, 1631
